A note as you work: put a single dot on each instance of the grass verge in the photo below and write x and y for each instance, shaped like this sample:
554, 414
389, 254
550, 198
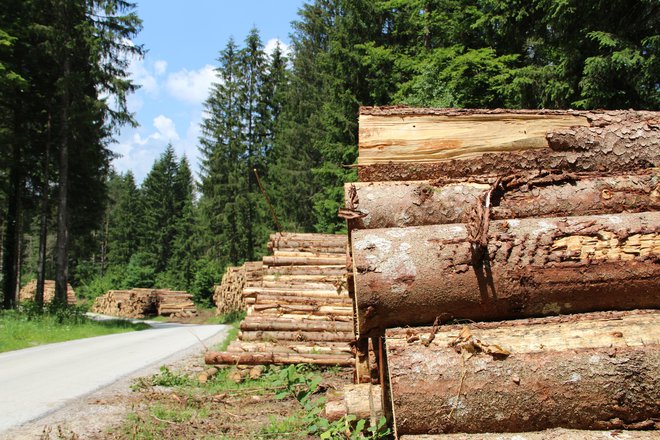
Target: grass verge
29, 327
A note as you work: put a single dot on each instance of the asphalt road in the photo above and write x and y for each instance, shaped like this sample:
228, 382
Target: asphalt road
36, 381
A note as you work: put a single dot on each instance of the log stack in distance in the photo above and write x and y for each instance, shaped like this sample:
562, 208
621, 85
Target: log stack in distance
299, 311
480, 216
143, 303
28, 292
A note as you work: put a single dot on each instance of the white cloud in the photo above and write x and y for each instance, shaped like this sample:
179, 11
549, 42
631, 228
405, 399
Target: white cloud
160, 67
270, 46
143, 77
166, 128
191, 86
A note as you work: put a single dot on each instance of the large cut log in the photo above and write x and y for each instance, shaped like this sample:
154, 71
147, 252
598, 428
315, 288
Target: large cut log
592, 371
550, 434
232, 358
531, 267
419, 144
400, 204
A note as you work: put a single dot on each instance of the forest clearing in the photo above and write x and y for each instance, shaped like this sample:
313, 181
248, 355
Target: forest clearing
423, 219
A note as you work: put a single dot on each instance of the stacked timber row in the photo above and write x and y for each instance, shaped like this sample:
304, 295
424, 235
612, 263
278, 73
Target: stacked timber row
301, 311
228, 296
480, 216
28, 292
142, 303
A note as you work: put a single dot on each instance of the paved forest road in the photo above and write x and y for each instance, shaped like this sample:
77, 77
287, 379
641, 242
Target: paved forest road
39, 380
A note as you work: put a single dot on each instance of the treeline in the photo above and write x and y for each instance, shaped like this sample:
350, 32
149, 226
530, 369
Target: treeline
292, 117
63, 87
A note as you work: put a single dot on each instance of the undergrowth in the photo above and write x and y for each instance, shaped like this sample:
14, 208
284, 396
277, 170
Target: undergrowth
298, 387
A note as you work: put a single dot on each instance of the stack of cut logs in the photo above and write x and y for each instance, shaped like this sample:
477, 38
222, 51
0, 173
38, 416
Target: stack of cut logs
228, 296
481, 225
301, 311
142, 303
28, 292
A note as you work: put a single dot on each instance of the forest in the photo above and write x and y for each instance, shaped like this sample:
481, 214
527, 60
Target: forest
65, 214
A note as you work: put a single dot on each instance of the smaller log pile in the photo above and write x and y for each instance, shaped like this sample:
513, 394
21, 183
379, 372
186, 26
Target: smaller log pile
300, 312
228, 296
142, 303
28, 292
489, 215
175, 304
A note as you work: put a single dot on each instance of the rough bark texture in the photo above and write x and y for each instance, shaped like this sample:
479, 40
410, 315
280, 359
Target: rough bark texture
530, 267
588, 372
400, 204
275, 336
551, 434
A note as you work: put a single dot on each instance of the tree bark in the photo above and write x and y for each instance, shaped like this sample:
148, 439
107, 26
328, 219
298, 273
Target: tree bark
218, 358
530, 267
62, 272
43, 228
400, 204
593, 371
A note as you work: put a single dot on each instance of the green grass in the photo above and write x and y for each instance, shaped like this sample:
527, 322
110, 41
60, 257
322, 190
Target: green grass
27, 328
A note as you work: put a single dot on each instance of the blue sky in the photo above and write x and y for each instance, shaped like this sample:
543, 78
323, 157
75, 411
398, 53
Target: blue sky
183, 40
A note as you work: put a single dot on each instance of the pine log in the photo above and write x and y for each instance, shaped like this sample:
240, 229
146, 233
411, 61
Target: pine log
551, 434
275, 336
532, 267
363, 401
304, 309
253, 323
207, 374
301, 300
593, 371
304, 260
306, 270
442, 144
400, 204
425, 136
219, 358
291, 347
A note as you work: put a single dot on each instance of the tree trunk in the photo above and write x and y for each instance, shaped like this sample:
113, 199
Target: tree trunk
216, 358
12, 248
593, 371
43, 228
63, 198
307, 260
530, 267
400, 204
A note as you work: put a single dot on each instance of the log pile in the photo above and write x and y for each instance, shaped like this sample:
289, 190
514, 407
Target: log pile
228, 296
28, 292
143, 303
503, 219
300, 311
